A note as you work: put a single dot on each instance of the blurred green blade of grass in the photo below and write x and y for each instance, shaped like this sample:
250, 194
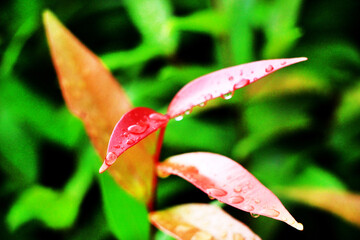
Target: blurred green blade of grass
56, 209
153, 19
206, 21
127, 218
124, 59
19, 149
55, 124
12, 52
280, 28
240, 30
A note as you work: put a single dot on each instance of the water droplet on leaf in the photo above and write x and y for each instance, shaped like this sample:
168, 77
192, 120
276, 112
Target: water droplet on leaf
270, 68
254, 215
248, 208
179, 118
130, 142
202, 104
182, 228
242, 83
201, 235
236, 199
238, 189
157, 117
270, 212
187, 112
228, 95
138, 129
238, 236
110, 158
215, 192
162, 173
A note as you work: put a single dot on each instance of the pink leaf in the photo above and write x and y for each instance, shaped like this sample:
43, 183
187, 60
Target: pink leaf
134, 126
227, 181
223, 83
200, 221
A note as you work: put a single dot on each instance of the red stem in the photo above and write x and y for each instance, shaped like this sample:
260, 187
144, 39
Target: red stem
159, 143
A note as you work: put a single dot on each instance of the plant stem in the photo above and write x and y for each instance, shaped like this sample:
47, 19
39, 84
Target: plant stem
152, 203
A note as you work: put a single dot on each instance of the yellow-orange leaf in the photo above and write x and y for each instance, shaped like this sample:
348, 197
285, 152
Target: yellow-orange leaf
200, 221
341, 203
92, 94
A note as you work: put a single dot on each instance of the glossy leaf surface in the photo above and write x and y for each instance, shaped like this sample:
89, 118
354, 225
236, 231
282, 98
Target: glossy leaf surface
93, 94
200, 221
223, 83
227, 181
134, 126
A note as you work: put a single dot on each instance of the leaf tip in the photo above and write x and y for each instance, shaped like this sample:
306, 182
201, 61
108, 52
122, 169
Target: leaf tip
298, 226
48, 16
103, 167
301, 59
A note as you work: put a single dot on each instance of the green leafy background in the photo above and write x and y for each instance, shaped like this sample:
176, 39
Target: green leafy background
299, 127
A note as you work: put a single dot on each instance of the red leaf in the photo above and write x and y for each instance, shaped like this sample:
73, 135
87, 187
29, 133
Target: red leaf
227, 181
133, 126
200, 221
223, 83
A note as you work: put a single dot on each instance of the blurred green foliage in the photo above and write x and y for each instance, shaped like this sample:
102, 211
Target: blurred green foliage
301, 134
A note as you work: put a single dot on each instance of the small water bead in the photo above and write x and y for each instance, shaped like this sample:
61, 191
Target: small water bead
211, 197
216, 192
130, 141
270, 68
182, 228
187, 112
242, 83
201, 235
254, 215
257, 201
138, 129
162, 173
157, 117
249, 208
179, 118
238, 236
202, 104
238, 189
270, 212
236, 199
228, 95
110, 158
